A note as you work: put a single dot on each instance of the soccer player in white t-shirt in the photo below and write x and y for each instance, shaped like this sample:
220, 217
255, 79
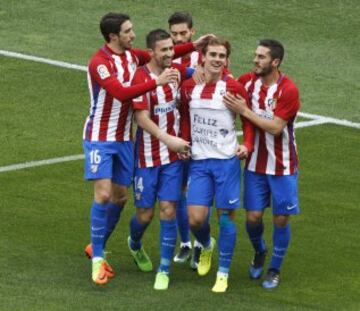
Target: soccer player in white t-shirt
214, 166
271, 171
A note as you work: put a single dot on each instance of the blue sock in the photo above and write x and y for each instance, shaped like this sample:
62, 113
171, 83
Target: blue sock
227, 241
113, 212
202, 234
182, 219
255, 232
168, 234
136, 232
281, 239
98, 228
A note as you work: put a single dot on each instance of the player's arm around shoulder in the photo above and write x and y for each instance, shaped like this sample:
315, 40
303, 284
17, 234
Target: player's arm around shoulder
238, 104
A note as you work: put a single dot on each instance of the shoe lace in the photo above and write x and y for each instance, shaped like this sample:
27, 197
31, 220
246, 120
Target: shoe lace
205, 257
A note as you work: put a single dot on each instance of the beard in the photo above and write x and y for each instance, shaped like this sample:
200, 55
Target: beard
264, 71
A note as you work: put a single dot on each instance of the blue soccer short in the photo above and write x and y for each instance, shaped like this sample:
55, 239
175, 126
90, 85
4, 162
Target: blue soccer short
159, 182
219, 178
282, 190
186, 165
113, 160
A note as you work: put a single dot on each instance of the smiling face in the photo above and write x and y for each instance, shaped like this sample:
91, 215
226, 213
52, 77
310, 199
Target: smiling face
163, 53
124, 39
263, 63
215, 59
181, 33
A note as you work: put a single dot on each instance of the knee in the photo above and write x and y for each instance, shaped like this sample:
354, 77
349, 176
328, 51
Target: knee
195, 221
102, 196
167, 211
254, 217
281, 221
145, 216
119, 200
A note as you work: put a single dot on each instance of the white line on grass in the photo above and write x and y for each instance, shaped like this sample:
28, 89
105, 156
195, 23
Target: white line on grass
329, 120
21, 166
43, 60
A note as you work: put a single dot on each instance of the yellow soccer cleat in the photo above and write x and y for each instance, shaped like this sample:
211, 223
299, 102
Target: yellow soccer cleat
205, 258
161, 281
99, 274
221, 283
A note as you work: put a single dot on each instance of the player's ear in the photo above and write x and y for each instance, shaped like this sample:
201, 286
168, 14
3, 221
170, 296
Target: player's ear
112, 36
275, 62
193, 31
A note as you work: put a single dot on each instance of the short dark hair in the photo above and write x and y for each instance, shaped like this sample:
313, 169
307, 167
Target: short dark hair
215, 41
276, 48
155, 36
180, 18
111, 23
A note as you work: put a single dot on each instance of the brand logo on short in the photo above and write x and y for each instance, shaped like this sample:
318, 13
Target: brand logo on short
291, 207
94, 168
233, 201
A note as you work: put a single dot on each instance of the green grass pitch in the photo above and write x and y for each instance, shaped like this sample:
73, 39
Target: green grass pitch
44, 211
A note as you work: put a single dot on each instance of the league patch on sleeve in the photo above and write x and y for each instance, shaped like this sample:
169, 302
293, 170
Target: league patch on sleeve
103, 72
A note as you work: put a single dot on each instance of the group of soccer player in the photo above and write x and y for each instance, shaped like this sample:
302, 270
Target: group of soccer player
186, 153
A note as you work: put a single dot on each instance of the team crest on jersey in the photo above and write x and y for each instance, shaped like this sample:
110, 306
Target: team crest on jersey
271, 103
103, 72
224, 132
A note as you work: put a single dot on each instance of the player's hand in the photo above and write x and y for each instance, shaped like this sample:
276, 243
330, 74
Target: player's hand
199, 43
169, 75
184, 155
242, 152
174, 143
199, 75
235, 103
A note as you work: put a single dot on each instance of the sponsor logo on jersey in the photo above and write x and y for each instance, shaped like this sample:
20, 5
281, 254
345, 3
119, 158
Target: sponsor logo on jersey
164, 108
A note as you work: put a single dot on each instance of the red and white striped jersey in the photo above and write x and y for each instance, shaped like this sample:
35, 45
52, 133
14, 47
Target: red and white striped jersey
162, 106
109, 74
273, 155
208, 122
109, 78
191, 60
